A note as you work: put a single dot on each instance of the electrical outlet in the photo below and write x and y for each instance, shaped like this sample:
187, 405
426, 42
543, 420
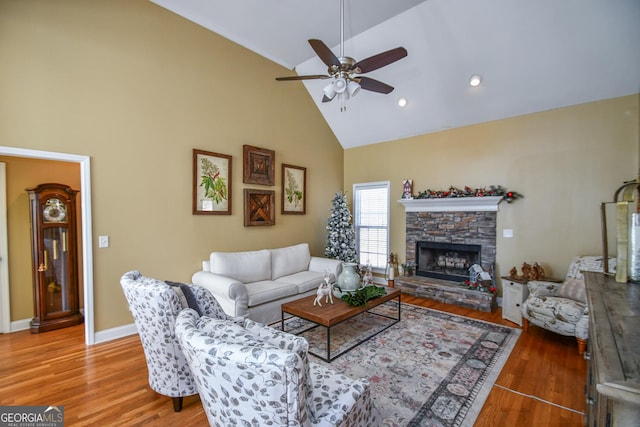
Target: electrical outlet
103, 241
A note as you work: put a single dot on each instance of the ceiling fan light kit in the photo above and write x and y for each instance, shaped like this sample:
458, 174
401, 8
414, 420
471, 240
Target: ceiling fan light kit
345, 71
475, 80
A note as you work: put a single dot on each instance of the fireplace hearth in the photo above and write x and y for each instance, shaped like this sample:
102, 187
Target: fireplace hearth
447, 261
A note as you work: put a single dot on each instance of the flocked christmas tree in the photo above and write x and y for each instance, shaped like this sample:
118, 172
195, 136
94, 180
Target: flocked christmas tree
341, 239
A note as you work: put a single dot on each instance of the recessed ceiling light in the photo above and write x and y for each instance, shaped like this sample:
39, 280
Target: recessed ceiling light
475, 80
402, 102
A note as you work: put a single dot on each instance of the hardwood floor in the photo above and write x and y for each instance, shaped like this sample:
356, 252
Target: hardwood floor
542, 383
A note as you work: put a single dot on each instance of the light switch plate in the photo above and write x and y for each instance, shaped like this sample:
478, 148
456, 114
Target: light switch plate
507, 232
103, 241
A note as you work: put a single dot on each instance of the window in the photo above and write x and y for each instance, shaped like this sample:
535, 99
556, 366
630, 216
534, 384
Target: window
371, 222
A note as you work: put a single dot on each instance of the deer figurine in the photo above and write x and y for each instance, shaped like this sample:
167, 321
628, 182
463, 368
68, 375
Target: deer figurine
324, 290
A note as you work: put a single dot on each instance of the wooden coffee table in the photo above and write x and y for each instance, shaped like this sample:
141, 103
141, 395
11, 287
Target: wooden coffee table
330, 315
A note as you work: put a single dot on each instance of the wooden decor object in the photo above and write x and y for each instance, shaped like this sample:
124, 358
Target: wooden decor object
259, 207
55, 257
258, 165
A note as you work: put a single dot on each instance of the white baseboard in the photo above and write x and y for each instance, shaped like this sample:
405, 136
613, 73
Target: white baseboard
20, 325
115, 333
100, 337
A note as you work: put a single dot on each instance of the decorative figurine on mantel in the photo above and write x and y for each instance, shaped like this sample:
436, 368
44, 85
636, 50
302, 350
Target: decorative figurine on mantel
407, 189
324, 290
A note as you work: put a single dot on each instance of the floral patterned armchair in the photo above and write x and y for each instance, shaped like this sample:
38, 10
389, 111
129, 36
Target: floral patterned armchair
155, 305
252, 374
562, 307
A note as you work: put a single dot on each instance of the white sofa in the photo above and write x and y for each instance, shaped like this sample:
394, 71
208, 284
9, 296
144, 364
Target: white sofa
253, 284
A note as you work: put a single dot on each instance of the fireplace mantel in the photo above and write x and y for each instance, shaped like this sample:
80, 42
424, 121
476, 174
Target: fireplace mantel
452, 204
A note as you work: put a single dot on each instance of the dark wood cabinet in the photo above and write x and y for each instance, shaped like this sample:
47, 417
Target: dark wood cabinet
55, 257
613, 372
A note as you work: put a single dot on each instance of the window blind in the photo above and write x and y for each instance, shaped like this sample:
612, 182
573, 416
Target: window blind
371, 222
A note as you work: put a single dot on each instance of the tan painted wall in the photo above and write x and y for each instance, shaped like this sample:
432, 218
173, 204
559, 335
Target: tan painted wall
136, 88
21, 174
565, 162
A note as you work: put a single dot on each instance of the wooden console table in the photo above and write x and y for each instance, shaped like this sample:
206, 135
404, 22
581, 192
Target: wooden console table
613, 373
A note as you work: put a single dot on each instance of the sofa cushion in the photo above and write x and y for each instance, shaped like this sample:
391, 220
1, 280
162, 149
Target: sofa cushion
248, 266
269, 290
289, 260
304, 280
558, 308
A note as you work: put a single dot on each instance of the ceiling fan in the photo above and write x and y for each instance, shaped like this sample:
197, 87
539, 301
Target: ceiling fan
345, 71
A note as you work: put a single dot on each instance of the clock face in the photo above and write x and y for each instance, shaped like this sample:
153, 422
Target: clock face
54, 211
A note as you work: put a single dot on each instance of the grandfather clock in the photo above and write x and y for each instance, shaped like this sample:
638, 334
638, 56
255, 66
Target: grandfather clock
55, 257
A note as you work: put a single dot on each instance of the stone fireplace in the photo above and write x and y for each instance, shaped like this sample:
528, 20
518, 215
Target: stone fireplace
444, 237
448, 261
456, 229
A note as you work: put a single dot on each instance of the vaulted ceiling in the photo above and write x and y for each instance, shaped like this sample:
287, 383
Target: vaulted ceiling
531, 55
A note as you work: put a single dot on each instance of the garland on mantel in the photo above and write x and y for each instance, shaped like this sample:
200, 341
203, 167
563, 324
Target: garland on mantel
494, 190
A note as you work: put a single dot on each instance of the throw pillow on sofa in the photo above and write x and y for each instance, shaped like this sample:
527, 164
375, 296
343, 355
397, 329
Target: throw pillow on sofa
187, 298
574, 289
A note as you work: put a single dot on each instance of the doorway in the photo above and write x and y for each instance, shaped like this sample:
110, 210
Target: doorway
87, 249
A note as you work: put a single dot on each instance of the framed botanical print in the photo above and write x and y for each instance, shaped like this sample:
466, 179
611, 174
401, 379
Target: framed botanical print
294, 189
258, 165
259, 207
211, 183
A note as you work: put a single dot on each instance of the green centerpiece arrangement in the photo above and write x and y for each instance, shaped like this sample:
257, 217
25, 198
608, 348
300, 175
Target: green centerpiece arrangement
362, 295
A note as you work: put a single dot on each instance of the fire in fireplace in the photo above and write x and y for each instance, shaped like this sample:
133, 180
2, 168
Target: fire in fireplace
447, 261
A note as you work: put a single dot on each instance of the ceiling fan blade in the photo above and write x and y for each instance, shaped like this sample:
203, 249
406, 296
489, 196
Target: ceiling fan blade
324, 53
310, 77
380, 60
373, 85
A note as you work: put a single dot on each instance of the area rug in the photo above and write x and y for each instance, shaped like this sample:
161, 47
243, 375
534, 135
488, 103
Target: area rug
430, 369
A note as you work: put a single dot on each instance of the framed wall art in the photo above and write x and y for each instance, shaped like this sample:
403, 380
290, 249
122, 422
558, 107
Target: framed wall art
259, 207
294, 189
211, 183
258, 165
